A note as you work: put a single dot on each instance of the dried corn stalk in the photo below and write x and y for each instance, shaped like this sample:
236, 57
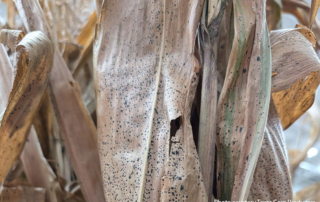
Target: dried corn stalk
34, 56
146, 76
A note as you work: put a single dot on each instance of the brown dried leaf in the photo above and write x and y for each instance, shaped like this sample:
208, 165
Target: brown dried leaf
22, 194
310, 193
273, 14
35, 165
77, 127
293, 57
314, 135
314, 9
36, 168
34, 55
146, 76
297, 67
85, 39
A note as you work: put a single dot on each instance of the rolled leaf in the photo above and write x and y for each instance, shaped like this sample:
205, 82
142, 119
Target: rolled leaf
297, 69
293, 57
34, 55
209, 91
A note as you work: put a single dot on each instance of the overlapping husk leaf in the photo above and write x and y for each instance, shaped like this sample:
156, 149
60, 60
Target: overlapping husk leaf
146, 75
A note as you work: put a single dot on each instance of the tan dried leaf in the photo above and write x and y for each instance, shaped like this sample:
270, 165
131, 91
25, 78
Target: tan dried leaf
297, 67
77, 127
34, 55
314, 9
272, 180
146, 75
22, 194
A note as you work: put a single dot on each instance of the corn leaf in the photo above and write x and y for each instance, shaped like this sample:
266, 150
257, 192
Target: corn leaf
209, 92
22, 194
146, 75
297, 156
314, 9
244, 101
32, 154
297, 67
272, 180
78, 129
310, 193
34, 56
273, 14
36, 167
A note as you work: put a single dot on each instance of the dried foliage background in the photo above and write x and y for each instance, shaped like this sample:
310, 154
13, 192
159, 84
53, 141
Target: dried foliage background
157, 100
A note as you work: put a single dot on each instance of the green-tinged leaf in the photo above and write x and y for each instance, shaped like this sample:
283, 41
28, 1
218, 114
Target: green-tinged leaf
34, 56
146, 76
77, 127
244, 101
